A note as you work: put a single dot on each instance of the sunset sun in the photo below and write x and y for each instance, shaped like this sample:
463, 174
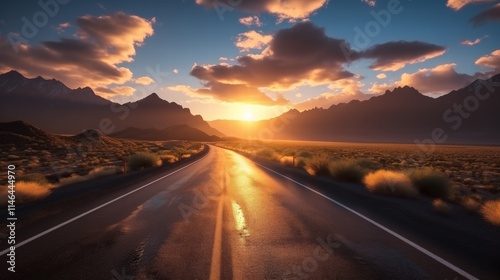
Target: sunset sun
248, 115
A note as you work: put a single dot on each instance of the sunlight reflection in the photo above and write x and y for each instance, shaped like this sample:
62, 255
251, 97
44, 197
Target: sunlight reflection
239, 219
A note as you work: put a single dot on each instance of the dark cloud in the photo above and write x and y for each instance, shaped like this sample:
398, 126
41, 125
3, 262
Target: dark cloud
92, 59
491, 14
297, 55
393, 56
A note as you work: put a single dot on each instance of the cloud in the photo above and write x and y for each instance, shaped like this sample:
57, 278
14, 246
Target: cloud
369, 2
92, 59
434, 81
252, 40
62, 26
300, 55
226, 93
381, 76
491, 61
144, 80
115, 91
491, 14
459, 4
283, 9
393, 56
343, 91
251, 21
223, 58
474, 42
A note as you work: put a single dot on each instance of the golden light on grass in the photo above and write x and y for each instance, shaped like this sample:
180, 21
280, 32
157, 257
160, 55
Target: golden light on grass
27, 192
491, 212
391, 183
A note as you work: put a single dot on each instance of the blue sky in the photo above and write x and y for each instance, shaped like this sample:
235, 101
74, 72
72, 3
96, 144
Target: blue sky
177, 35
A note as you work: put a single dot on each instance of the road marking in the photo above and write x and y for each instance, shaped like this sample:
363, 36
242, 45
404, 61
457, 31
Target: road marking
398, 236
215, 266
95, 209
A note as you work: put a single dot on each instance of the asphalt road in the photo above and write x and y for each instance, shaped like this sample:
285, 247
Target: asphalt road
220, 217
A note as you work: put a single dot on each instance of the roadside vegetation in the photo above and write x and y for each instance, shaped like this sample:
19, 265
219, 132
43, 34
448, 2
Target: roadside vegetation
73, 162
465, 177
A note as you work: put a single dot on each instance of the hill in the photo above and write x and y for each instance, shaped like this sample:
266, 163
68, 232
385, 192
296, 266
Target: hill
52, 106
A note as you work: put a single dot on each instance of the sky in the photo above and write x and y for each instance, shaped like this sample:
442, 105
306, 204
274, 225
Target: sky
250, 60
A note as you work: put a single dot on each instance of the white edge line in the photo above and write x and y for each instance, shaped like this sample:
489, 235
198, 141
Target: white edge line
93, 210
398, 236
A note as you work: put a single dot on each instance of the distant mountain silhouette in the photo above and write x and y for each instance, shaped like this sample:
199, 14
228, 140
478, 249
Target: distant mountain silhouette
54, 107
175, 132
402, 115
20, 133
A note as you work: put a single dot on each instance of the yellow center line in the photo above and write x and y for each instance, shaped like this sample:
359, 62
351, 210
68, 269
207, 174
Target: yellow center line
215, 267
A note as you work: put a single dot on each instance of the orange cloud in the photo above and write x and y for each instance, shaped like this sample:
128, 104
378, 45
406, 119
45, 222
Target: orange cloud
283, 9
459, 4
381, 76
252, 40
369, 2
226, 93
145, 80
491, 61
92, 59
474, 42
344, 91
434, 81
251, 21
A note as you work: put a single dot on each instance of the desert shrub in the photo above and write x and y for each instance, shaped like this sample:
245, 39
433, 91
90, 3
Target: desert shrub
347, 170
318, 166
166, 158
470, 204
34, 177
441, 207
266, 153
287, 160
301, 162
143, 160
431, 183
491, 212
390, 183
26, 192
304, 154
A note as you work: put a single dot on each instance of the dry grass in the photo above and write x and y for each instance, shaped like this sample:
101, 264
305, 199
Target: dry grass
431, 183
351, 170
390, 183
491, 212
93, 174
26, 192
470, 204
319, 166
143, 160
441, 207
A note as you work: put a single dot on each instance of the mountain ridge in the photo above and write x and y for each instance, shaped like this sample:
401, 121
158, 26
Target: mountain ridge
52, 106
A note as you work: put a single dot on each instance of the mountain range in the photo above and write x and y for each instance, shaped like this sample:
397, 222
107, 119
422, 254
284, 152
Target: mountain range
468, 115
52, 106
